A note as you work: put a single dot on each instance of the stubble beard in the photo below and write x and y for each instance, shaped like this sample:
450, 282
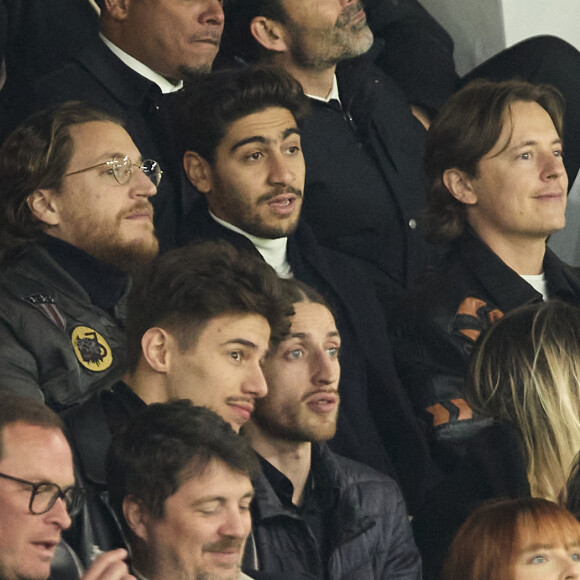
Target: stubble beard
251, 222
287, 423
188, 72
201, 575
343, 41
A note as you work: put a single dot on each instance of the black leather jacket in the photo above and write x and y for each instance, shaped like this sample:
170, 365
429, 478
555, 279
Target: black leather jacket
444, 316
56, 345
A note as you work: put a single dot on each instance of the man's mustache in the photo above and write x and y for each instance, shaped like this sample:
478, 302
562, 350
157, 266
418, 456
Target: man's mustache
227, 543
280, 191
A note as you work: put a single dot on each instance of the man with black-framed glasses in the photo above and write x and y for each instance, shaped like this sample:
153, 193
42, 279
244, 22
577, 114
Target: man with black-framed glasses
38, 495
77, 219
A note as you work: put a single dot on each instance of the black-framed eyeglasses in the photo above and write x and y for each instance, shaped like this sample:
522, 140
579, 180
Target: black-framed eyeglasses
43, 495
122, 168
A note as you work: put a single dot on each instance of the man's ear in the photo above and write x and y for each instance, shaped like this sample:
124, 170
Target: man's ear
42, 206
198, 171
460, 185
136, 516
155, 345
269, 33
118, 9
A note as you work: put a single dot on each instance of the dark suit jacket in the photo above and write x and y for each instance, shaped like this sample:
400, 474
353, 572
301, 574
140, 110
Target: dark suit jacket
36, 38
376, 424
99, 78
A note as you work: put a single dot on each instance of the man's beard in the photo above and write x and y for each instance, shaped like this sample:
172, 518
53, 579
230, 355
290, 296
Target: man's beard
223, 544
190, 73
203, 575
127, 256
249, 221
106, 244
288, 424
334, 44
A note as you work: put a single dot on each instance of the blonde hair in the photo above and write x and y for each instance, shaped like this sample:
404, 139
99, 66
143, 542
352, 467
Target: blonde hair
526, 370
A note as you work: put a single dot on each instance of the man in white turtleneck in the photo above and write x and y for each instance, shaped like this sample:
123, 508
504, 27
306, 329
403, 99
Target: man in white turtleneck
240, 134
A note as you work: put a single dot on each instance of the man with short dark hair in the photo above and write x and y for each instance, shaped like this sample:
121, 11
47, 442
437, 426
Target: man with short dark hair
74, 203
200, 320
363, 148
145, 50
498, 190
180, 479
241, 136
317, 514
38, 496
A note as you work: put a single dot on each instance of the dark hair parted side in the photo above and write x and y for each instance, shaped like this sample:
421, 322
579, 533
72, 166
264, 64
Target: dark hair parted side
182, 290
212, 102
167, 444
465, 130
17, 409
237, 39
36, 156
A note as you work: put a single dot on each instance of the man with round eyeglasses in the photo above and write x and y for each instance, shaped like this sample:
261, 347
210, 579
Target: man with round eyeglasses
38, 496
75, 203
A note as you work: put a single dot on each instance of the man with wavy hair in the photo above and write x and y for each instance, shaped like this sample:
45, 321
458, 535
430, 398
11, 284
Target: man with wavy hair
498, 188
76, 213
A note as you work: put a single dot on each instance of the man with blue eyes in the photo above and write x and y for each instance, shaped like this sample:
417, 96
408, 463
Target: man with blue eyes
38, 497
316, 514
75, 207
180, 480
240, 136
497, 192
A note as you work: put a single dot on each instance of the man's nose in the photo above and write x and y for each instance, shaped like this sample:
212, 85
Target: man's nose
255, 383
236, 523
213, 14
142, 185
553, 166
325, 369
280, 171
58, 514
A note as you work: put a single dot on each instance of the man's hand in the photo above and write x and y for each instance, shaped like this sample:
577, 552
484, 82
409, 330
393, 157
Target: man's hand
109, 566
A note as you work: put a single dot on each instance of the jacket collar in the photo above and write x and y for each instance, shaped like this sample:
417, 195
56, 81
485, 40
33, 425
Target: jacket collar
104, 283
506, 288
124, 83
267, 506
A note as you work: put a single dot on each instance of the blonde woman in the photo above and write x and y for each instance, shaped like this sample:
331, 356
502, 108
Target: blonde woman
525, 371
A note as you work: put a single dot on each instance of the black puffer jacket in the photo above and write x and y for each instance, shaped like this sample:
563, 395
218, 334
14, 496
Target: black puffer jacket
374, 536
